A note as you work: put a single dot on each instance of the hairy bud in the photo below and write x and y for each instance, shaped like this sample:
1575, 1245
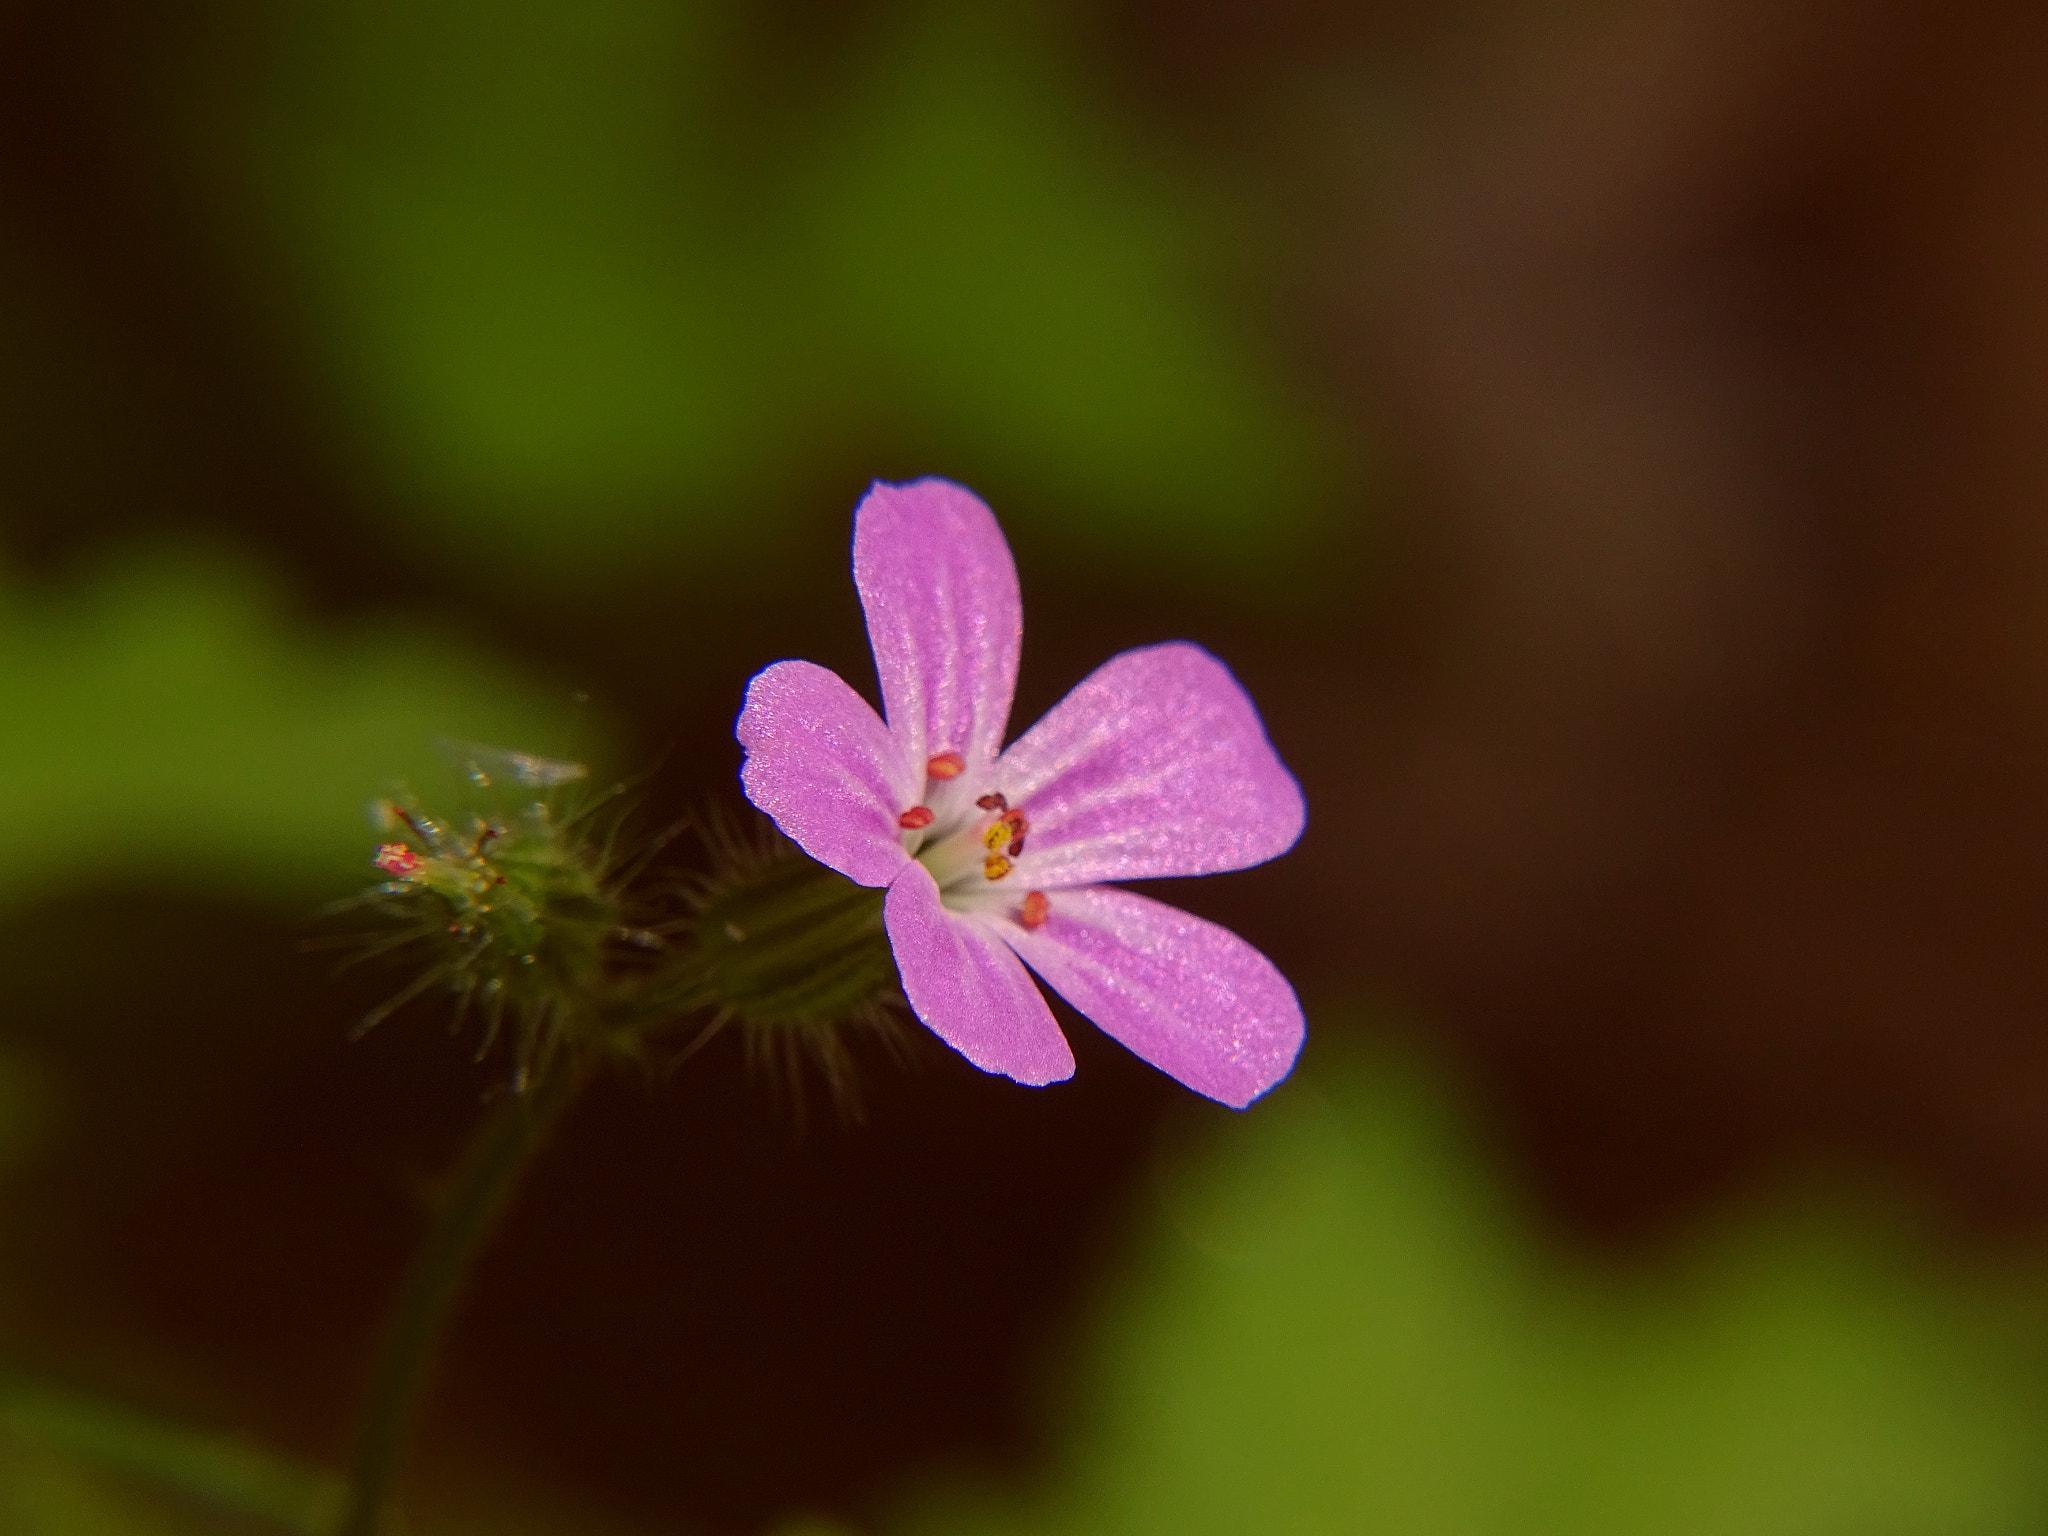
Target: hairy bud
789, 943
523, 910
792, 953
512, 902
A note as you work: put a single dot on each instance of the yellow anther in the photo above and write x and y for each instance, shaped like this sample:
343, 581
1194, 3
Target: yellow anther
995, 866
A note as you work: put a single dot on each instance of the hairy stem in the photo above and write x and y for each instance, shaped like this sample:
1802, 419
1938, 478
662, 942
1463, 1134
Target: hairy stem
481, 1187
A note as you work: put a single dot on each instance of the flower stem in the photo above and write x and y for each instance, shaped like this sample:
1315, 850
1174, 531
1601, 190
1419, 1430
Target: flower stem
481, 1187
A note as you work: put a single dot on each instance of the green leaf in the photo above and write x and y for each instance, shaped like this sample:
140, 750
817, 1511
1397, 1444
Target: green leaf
47, 1495
168, 722
1035, 289
46, 1428
594, 280
1338, 1324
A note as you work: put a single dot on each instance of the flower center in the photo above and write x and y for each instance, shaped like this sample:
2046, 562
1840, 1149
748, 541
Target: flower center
969, 849
981, 846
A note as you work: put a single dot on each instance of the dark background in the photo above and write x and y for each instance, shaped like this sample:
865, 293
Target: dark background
1660, 630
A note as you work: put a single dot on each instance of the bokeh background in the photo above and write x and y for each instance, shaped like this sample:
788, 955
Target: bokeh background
1607, 439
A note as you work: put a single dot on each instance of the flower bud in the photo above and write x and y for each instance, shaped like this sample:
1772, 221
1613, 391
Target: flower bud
523, 912
512, 903
786, 943
794, 954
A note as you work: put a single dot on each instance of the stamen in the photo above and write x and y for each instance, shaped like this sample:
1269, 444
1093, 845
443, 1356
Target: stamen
947, 765
995, 866
1036, 910
397, 859
407, 817
993, 802
915, 819
1006, 830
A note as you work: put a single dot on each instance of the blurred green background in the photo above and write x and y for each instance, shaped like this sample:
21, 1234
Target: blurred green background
1604, 441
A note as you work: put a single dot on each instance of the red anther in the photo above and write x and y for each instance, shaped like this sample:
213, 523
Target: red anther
1016, 847
1036, 910
993, 803
397, 859
995, 866
1016, 823
947, 765
916, 819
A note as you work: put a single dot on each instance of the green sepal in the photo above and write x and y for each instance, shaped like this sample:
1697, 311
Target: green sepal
790, 943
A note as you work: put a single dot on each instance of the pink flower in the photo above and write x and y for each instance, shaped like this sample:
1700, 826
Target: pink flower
1155, 765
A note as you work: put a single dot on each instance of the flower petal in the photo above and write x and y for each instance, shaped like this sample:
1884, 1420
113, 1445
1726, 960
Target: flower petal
940, 593
822, 764
1193, 999
970, 991
1155, 765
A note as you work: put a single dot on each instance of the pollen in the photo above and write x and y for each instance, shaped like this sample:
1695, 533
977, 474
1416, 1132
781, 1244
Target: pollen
1036, 910
947, 765
916, 819
1007, 831
995, 866
397, 859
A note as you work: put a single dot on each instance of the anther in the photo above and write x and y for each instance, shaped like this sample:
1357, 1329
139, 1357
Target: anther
1036, 910
993, 803
916, 819
397, 859
947, 765
995, 866
1007, 829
